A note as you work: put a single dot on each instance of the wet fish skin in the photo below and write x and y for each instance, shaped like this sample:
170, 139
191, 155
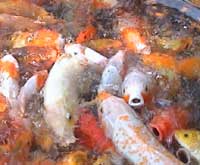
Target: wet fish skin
129, 135
61, 97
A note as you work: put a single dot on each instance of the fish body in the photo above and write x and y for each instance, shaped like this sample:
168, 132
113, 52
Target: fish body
130, 136
74, 158
61, 97
26, 9
190, 140
134, 41
136, 88
40, 38
112, 76
94, 58
31, 88
90, 133
9, 77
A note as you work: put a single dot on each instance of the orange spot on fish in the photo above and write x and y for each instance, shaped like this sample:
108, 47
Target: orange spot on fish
103, 95
126, 98
10, 68
124, 118
41, 78
87, 34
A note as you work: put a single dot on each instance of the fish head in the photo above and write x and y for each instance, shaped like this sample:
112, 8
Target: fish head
189, 139
136, 88
74, 49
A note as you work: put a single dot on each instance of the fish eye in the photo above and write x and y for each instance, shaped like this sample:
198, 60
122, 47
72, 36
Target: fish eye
186, 135
75, 53
146, 88
123, 91
101, 110
68, 116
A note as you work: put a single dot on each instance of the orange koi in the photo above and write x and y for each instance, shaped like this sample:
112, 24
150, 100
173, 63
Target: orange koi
90, 133
167, 121
190, 67
134, 41
86, 34
40, 38
160, 61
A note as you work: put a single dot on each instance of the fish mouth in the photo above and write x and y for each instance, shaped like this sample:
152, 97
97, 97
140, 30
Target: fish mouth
183, 155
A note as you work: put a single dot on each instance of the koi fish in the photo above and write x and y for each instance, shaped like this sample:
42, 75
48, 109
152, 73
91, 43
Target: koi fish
105, 46
113, 74
93, 57
190, 67
165, 123
12, 23
9, 77
90, 133
40, 38
135, 41
60, 111
26, 9
160, 61
189, 140
31, 87
129, 135
87, 34
136, 88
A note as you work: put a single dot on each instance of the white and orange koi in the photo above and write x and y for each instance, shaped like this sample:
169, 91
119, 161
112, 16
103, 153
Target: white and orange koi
31, 87
9, 77
129, 135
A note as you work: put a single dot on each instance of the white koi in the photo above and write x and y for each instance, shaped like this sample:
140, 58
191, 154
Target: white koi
130, 136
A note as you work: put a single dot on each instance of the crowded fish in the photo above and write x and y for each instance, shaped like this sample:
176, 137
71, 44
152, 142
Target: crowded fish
99, 82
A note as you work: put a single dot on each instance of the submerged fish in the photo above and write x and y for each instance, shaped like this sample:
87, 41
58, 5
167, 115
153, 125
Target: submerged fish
9, 77
129, 135
26, 9
75, 158
190, 140
90, 134
31, 87
61, 97
113, 74
94, 58
41, 38
167, 121
137, 87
